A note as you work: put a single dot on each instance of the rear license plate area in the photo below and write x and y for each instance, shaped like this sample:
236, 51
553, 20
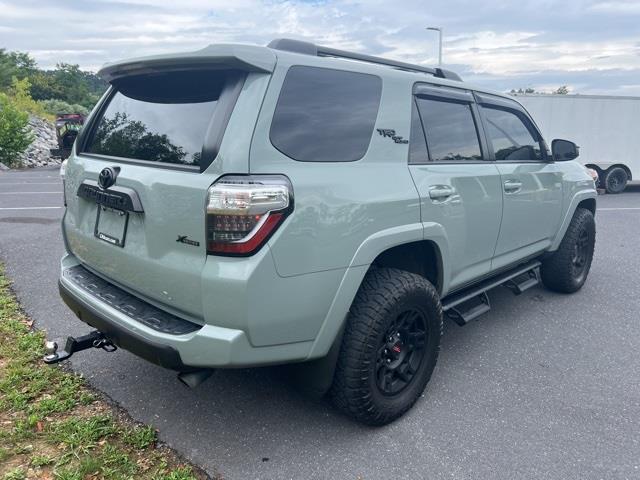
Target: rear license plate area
111, 225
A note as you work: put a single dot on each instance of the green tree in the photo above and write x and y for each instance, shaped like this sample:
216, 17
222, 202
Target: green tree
15, 135
54, 106
21, 97
44, 86
70, 80
563, 90
69, 84
66, 82
15, 64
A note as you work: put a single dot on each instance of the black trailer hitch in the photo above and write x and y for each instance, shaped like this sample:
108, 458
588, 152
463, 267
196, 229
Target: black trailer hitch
94, 339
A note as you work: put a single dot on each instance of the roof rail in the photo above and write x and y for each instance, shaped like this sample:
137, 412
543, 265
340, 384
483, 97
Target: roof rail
307, 48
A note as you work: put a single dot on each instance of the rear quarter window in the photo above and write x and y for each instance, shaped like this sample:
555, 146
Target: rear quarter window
160, 118
325, 115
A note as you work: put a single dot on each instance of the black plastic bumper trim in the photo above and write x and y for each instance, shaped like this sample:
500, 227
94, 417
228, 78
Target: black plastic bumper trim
160, 354
130, 305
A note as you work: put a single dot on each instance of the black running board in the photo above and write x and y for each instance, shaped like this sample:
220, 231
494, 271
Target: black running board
469, 304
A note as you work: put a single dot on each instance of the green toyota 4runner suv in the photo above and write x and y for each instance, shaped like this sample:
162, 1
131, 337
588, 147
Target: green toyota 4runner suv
242, 206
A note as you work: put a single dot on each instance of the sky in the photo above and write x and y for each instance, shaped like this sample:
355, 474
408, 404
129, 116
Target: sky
591, 46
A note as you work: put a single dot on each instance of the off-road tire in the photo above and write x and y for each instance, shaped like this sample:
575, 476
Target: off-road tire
386, 295
615, 180
567, 268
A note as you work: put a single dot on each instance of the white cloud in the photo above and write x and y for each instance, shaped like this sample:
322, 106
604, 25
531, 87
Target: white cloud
523, 52
495, 41
630, 6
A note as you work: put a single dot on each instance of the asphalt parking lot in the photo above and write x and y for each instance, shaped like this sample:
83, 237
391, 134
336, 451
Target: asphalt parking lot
545, 386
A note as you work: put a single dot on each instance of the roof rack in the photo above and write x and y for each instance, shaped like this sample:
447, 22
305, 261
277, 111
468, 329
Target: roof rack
307, 48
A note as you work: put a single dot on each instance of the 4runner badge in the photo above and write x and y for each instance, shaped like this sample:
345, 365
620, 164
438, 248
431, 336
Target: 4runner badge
391, 133
186, 240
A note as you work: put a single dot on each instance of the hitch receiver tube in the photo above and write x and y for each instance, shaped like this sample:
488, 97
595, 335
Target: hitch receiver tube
94, 339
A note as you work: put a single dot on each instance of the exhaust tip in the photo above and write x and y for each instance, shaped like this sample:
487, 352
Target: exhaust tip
195, 378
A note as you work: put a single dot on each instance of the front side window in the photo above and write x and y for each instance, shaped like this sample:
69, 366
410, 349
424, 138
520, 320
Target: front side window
158, 118
325, 115
450, 130
510, 136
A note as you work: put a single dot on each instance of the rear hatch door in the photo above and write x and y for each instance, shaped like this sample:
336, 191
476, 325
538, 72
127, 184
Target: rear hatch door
136, 185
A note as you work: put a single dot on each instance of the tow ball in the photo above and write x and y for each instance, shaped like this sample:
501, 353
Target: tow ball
94, 339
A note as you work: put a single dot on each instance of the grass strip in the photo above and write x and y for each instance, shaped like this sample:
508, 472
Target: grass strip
54, 427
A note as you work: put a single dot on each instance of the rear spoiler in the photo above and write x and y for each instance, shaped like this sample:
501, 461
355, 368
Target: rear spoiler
247, 58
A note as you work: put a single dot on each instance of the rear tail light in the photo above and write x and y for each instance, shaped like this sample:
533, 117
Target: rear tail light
244, 211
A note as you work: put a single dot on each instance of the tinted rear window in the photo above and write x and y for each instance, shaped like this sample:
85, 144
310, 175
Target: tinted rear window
158, 118
325, 115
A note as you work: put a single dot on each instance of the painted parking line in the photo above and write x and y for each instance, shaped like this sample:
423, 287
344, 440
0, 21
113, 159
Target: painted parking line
28, 208
26, 193
612, 209
27, 175
29, 183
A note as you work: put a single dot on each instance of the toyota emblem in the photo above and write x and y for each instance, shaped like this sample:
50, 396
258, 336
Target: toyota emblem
107, 177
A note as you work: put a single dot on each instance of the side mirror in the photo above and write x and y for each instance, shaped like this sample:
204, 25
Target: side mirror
563, 150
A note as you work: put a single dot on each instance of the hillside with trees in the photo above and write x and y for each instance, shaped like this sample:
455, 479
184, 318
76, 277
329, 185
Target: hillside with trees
32, 96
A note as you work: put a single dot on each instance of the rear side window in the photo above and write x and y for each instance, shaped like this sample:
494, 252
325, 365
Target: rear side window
158, 118
417, 144
511, 137
325, 115
450, 130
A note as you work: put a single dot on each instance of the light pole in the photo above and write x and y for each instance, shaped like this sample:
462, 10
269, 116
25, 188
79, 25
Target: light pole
439, 30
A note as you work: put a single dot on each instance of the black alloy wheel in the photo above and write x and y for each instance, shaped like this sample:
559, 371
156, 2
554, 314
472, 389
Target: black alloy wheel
389, 348
567, 268
401, 353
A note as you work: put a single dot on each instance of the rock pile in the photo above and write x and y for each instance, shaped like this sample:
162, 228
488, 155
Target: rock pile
37, 154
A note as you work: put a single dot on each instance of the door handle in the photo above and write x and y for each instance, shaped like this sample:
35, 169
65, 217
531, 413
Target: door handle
512, 186
440, 192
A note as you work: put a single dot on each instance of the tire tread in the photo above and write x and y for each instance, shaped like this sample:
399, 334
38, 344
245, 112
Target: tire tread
380, 290
556, 272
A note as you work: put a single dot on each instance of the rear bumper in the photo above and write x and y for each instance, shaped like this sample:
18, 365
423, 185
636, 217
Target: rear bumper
208, 346
157, 353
